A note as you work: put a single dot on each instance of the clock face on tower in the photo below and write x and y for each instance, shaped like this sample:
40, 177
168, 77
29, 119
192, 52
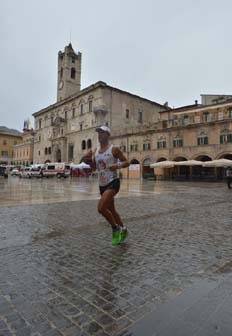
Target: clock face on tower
60, 85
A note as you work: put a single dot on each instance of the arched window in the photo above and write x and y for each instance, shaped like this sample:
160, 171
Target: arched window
83, 145
89, 143
90, 103
82, 109
73, 73
90, 106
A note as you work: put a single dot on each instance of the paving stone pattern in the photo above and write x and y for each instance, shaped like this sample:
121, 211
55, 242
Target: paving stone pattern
60, 275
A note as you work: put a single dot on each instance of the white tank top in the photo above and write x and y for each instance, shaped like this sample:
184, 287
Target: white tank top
103, 160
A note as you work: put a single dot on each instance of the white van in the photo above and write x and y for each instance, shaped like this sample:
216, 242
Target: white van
58, 169
30, 172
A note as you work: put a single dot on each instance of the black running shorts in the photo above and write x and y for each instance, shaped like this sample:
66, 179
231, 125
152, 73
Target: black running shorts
115, 184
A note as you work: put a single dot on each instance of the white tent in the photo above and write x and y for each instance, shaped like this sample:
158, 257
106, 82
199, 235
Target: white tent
188, 163
81, 165
218, 163
163, 164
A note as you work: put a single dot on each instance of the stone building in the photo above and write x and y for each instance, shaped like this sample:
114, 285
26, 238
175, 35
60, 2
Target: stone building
65, 130
23, 152
8, 139
199, 132
145, 131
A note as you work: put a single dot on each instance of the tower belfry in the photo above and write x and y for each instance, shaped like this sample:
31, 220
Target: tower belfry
69, 73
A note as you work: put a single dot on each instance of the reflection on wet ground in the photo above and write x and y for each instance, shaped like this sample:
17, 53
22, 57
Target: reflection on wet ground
60, 275
16, 191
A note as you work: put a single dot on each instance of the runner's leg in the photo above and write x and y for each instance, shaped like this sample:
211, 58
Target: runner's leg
115, 213
104, 206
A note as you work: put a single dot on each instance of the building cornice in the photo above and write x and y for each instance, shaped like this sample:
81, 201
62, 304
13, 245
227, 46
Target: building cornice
99, 84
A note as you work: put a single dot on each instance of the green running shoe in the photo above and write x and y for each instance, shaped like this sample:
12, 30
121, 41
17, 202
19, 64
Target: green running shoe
124, 234
116, 237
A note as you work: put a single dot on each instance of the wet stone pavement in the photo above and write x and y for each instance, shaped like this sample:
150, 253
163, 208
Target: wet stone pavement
60, 275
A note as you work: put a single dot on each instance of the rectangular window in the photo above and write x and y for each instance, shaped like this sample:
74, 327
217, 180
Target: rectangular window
127, 114
65, 115
70, 152
230, 112
123, 148
140, 116
202, 141
175, 121
161, 144
178, 143
90, 106
82, 109
15, 142
5, 153
206, 117
73, 113
225, 138
40, 123
146, 146
134, 147
185, 120
4, 142
165, 123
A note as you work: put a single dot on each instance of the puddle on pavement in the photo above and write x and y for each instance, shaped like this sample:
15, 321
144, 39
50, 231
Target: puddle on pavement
183, 301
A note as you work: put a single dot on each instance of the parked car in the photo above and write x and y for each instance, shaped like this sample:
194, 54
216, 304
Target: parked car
14, 172
30, 172
58, 169
3, 171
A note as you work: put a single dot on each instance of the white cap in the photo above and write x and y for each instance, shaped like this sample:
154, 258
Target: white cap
103, 128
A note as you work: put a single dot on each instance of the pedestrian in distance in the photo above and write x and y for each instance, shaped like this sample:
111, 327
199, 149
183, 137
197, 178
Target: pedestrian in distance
229, 177
107, 159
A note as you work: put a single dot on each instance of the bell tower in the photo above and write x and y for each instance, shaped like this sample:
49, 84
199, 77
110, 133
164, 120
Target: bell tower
69, 73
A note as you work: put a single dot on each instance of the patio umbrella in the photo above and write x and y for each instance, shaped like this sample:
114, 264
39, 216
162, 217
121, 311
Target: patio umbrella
188, 163
218, 163
162, 164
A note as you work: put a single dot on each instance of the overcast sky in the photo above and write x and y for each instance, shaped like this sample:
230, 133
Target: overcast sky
169, 50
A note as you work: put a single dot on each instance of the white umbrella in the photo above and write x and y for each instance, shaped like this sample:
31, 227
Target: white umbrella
188, 163
163, 164
218, 163
83, 165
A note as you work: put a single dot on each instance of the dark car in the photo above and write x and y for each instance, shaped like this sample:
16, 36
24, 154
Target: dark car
3, 171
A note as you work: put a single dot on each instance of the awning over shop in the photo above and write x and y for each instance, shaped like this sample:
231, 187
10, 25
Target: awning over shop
218, 163
163, 164
188, 163
215, 163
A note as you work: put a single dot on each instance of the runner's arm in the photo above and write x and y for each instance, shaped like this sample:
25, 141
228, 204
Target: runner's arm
92, 162
122, 161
